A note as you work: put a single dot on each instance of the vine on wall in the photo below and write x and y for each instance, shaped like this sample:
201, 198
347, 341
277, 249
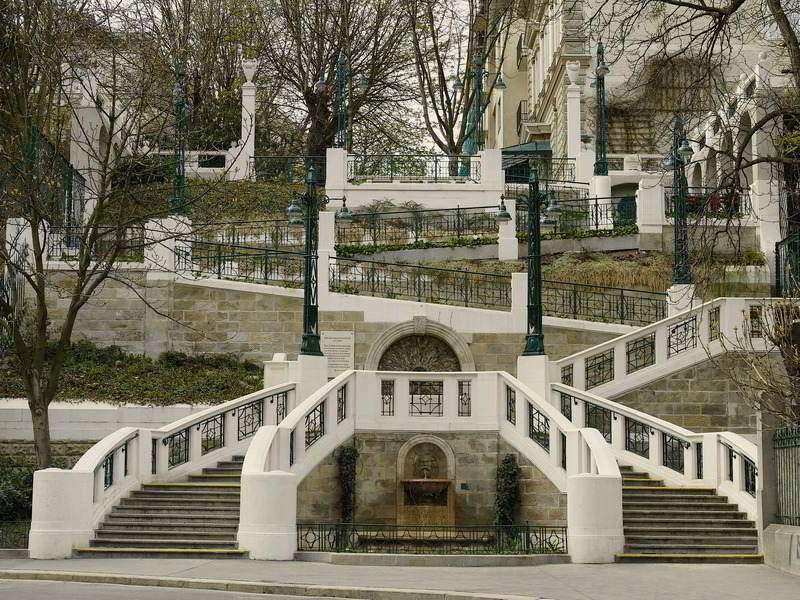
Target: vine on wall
346, 459
507, 500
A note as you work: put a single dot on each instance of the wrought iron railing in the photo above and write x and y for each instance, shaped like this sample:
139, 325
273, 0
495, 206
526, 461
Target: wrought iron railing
492, 291
410, 227
287, 169
787, 266
570, 218
616, 163
413, 168
420, 283
431, 539
556, 193
14, 534
710, 202
274, 234
786, 445
61, 188
240, 263
547, 168
126, 243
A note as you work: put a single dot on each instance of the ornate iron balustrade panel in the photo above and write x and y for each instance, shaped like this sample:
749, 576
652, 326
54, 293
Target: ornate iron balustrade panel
270, 235
177, 448
125, 459
549, 169
281, 400
387, 397
750, 476
714, 326
787, 263
511, 405
672, 452
386, 168
637, 437
410, 227
576, 217
599, 368
731, 456
711, 202
563, 440
108, 471
422, 284
640, 353
682, 336
240, 263
249, 417
288, 169
291, 447
604, 304
538, 427
426, 398
699, 459
786, 449
212, 433
431, 539
567, 374
341, 403
566, 404
120, 243
464, 398
315, 424
599, 418
755, 321
14, 534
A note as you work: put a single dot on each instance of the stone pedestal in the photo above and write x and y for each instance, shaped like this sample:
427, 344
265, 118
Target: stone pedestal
680, 297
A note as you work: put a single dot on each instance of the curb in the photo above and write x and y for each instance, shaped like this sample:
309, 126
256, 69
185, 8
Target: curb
255, 587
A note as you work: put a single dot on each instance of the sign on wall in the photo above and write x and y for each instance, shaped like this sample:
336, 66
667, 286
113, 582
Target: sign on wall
339, 347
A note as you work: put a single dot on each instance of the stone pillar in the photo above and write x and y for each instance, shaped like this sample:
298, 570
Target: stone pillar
492, 177
327, 230
86, 146
534, 371
507, 242
161, 240
680, 297
277, 371
312, 374
243, 153
335, 172
573, 110
767, 488
594, 517
600, 186
650, 213
519, 302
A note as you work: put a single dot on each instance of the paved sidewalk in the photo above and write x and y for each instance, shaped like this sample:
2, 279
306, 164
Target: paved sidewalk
555, 582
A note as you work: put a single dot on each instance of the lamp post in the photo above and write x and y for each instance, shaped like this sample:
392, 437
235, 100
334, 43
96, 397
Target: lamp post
475, 141
176, 203
601, 139
342, 73
681, 154
307, 217
534, 340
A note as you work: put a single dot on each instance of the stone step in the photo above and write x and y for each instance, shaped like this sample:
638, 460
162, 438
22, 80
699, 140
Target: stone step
132, 542
180, 495
215, 477
712, 503
687, 499
204, 553
237, 464
692, 548
641, 482
223, 517
634, 557
234, 468
166, 534
207, 511
682, 523
690, 539
666, 491
661, 515
170, 525
201, 486
172, 501
699, 530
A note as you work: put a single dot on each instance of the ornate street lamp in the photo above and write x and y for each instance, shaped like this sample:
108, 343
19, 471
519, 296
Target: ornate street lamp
601, 139
534, 340
681, 154
307, 217
176, 203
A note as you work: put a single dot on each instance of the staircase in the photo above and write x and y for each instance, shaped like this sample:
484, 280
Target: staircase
196, 518
688, 525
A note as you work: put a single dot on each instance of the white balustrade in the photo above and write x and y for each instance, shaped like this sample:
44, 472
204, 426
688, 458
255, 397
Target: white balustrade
68, 504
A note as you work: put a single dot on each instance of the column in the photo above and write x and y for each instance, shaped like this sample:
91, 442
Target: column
573, 111
244, 152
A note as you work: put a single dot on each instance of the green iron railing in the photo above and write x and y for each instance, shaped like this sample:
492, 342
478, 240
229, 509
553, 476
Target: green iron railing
287, 169
570, 218
786, 445
787, 266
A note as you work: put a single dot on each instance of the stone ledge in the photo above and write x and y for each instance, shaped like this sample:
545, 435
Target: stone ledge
433, 560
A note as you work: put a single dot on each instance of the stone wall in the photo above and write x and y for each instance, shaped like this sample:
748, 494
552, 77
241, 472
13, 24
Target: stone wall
701, 398
255, 325
477, 455
22, 452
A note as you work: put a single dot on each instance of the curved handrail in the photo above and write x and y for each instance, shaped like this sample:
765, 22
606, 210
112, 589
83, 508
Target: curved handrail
93, 458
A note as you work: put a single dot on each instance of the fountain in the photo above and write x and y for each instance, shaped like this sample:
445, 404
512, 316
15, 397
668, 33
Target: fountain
428, 497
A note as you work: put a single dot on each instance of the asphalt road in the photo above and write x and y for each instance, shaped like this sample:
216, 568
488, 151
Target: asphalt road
60, 590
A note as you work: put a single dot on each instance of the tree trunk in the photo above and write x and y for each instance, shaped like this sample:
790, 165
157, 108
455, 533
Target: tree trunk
40, 419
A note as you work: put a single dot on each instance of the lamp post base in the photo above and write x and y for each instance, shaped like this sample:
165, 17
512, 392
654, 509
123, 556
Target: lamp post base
534, 371
310, 345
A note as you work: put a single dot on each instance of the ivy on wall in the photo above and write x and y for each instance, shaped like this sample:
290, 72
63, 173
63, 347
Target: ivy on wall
508, 497
346, 459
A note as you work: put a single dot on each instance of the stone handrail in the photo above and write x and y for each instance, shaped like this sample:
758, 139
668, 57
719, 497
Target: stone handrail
68, 504
635, 359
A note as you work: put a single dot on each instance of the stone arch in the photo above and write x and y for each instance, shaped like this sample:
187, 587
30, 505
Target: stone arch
417, 440
697, 177
420, 326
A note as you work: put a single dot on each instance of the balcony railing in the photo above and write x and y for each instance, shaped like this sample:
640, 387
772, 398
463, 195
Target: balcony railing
711, 202
121, 244
549, 170
287, 169
787, 263
570, 218
413, 168
272, 234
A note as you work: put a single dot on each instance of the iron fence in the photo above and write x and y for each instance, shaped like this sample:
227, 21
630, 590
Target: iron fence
413, 168
106, 243
410, 227
431, 539
61, 189
12, 282
240, 263
568, 218
710, 202
786, 446
517, 169
274, 234
287, 169
787, 266
14, 534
